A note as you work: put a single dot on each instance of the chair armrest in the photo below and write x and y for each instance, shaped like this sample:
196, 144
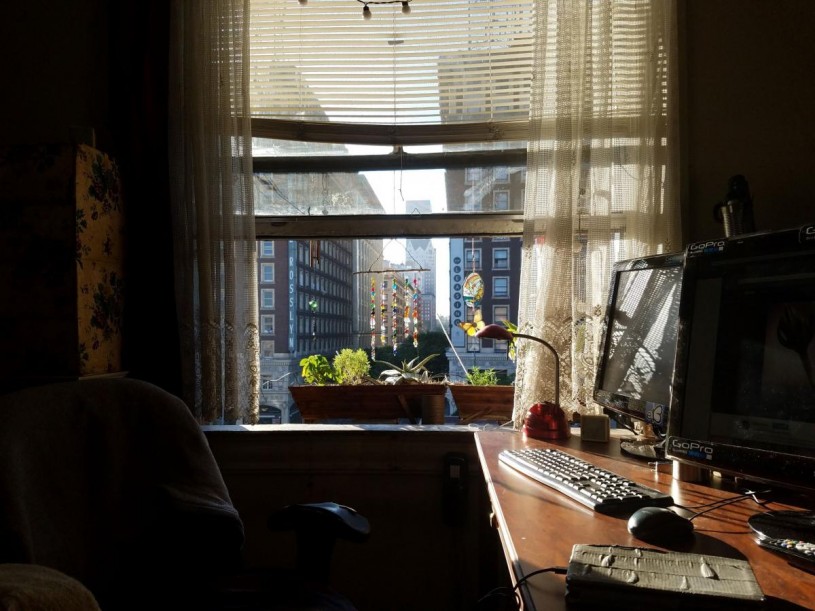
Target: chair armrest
331, 519
318, 526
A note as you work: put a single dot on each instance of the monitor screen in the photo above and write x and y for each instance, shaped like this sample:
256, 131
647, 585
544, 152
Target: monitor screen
638, 340
743, 399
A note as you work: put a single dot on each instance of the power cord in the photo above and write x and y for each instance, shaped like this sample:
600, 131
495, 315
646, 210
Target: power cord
508, 599
707, 507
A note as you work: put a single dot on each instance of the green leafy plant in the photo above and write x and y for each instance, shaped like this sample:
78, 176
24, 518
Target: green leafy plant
347, 367
513, 329
316, 369
411, 372
351, 366
482, 377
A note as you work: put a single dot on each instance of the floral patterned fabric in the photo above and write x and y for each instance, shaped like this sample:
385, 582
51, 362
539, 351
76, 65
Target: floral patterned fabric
61, 259
99, 256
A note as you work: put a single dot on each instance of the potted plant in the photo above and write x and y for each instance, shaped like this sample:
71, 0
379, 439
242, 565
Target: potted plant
343, 389
482, 397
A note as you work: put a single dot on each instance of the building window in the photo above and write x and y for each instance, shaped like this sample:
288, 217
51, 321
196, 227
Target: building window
267, 299
500, 286
501, 175
266, 349
500, 200
267, 325
267, 248
266, 384
473, 344
267, 273
500, 258
472, 175
472, 258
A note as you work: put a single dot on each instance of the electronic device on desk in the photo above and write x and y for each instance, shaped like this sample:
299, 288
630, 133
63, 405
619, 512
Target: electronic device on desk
597, 488
637, 347
791, 533
743, 394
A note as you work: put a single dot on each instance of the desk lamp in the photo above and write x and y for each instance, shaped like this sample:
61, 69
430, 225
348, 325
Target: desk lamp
545, 420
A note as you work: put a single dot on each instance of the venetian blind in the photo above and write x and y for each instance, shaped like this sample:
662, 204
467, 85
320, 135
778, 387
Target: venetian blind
448, 61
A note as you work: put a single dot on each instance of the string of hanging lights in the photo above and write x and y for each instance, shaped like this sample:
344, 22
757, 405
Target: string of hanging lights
366, 11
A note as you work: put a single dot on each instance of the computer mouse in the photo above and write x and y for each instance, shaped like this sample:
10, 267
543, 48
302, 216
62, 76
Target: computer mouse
659, 525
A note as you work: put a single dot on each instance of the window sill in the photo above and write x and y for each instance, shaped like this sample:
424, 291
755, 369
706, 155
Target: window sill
340, 428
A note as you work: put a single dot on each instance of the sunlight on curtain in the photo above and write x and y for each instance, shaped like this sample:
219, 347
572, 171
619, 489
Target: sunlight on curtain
213, 211
602, 178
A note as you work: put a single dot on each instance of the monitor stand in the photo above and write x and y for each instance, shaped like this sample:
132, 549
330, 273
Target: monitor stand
649, 448
647, 444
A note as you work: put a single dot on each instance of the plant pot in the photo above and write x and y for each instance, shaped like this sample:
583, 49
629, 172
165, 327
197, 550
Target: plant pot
364, 402
483, 402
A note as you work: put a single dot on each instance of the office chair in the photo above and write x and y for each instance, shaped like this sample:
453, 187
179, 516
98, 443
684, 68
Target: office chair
112, 483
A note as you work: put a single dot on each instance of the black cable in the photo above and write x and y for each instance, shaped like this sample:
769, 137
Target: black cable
505, 594
748, 494
557, 570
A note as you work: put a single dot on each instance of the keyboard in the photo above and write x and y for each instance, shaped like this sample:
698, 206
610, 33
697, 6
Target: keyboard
596, 488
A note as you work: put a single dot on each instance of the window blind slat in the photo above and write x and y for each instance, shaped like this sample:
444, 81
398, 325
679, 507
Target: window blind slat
447, 61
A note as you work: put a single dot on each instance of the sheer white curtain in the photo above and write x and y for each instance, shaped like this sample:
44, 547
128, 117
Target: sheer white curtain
213, 211
602, 177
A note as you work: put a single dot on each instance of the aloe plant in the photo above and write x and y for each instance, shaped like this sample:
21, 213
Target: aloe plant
411, 372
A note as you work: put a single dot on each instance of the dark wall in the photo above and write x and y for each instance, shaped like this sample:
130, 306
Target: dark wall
749, 94
55, 69
99, 68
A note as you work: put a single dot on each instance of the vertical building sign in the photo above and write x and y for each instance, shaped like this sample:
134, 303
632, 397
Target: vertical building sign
457, 306
292, 296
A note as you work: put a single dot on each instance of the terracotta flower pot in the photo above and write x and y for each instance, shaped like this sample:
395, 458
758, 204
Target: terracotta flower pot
364, 402
483, 402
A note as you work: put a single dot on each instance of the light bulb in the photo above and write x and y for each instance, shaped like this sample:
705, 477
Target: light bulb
405, 8
366, 12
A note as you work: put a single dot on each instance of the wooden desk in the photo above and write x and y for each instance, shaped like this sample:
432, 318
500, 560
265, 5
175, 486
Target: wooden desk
538, 525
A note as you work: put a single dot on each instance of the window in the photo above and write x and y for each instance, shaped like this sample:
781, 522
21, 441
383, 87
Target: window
336, 153
266, 248
500, 200
267, 273
333, 149
472, 175
500, 287
267, 299
472, 258
500, 313
267, 325
500, 258
473, 344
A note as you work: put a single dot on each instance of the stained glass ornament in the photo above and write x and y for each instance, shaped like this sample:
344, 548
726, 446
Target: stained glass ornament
473, 290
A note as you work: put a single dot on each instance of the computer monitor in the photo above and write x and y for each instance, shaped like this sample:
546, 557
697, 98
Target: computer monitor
743, 396
638, 339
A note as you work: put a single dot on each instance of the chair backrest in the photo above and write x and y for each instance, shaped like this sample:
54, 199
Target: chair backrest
112, 482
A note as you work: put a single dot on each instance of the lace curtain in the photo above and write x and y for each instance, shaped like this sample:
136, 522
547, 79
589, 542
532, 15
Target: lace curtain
213, 212
601, 181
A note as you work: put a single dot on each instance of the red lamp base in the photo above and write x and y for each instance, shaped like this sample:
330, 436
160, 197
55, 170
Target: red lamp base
546, 421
